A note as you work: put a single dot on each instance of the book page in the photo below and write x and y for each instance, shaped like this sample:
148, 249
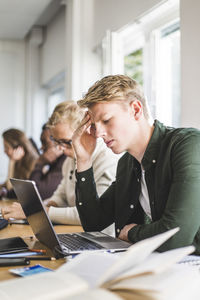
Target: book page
179, 282
154, 263
90, 266
136, 254
44, 286
96, 294
125, 294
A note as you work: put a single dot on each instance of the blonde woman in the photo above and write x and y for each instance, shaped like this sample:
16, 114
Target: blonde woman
65, 119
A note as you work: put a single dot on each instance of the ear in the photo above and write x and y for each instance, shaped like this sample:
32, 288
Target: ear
136, 108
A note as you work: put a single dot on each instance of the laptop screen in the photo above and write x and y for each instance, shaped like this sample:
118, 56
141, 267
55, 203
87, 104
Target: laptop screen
34, 210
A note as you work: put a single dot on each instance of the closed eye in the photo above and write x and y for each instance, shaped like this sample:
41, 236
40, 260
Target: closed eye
106, 121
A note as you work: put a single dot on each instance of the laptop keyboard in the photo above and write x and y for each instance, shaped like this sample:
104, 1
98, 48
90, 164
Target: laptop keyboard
75, 242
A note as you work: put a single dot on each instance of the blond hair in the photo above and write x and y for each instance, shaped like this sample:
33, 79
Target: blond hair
66, 112
115, 88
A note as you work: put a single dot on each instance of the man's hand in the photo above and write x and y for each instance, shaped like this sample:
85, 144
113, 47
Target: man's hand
14, 211
124, 232
50, 155
84, 143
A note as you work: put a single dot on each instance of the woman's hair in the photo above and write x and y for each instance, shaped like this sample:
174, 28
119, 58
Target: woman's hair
115, 88
15, 138
67, 112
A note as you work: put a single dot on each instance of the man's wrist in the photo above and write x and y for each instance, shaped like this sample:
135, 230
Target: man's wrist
83, 165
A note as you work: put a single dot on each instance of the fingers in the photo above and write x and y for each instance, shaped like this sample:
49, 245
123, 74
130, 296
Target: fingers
13, 211
124, 232
122, 235
5, 213
18, 153
84, 125
51, 155
52, 203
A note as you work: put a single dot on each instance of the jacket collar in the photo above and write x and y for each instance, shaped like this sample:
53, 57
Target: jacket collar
153, 147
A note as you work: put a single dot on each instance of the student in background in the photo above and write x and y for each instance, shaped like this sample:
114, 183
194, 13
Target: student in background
22, 157
157, 183
47, 172
61, 206
63, 122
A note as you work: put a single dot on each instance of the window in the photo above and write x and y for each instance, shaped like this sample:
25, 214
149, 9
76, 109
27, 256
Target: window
167, 55
149, 51
133, 66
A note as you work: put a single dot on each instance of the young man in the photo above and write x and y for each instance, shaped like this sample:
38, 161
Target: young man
157, 184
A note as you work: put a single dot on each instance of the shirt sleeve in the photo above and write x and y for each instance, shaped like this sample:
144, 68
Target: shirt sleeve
64, 215
96, 213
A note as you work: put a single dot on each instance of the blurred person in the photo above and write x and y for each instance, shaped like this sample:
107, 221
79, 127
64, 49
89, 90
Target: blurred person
22, 157
47, 172
61, 208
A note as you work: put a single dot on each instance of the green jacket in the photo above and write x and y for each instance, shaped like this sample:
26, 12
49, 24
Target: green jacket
172, 174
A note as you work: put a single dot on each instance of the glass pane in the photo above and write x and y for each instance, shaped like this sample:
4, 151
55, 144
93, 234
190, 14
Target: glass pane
168, 79
133, 65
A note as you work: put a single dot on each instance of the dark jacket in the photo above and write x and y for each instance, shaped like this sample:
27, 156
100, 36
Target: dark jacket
48, 181
172, 174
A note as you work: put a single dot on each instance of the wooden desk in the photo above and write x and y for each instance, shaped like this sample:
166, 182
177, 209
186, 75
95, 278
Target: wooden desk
26, 232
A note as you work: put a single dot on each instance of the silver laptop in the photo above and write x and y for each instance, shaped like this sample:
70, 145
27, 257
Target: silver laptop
60, 244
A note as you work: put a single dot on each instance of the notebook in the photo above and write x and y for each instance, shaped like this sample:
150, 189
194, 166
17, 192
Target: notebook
60, 244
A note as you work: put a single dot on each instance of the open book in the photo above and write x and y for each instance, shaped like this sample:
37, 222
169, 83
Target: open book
137, 274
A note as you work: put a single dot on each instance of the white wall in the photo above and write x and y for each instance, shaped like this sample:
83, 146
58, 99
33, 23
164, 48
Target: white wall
12, 73
35, 95
53, 49
45, 59
190, 63
114, 14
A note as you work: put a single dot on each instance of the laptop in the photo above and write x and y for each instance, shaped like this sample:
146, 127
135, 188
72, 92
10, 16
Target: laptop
60, 244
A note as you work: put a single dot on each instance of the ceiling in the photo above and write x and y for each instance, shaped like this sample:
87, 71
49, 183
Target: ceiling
17, 17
